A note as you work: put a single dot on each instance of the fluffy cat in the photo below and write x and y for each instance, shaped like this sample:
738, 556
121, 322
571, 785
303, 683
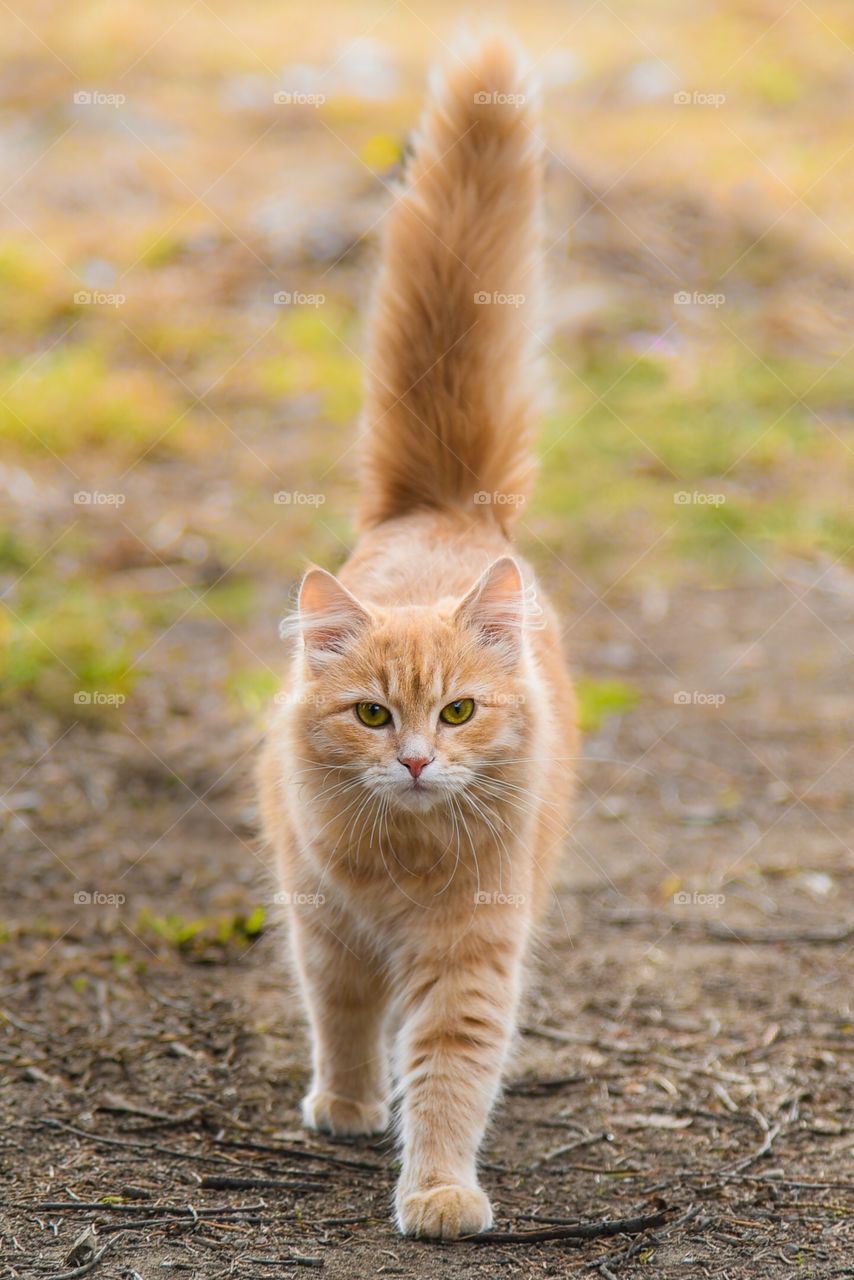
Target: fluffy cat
417, 774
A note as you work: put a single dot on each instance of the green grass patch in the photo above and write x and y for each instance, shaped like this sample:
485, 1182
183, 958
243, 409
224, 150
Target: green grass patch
317, 354
206, 938
738, 453
253, 688
599, 699
62, 646
77, 397
71, 643
232, 600
34, 288
15, 554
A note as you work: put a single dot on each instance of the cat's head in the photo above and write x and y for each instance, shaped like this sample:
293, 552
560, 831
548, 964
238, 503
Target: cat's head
415, 703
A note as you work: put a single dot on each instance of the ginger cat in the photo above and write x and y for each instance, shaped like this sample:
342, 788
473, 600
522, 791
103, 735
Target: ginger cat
416, 779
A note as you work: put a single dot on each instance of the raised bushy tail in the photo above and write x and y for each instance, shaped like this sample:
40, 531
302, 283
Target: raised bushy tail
454, 387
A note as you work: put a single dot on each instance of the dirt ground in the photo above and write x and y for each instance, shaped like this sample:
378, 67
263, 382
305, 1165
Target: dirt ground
685, 1054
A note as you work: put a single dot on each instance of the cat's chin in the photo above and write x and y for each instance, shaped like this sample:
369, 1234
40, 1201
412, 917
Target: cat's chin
418, 799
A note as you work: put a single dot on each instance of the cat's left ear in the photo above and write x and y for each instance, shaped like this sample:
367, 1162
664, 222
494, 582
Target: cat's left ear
330, 616
495, 608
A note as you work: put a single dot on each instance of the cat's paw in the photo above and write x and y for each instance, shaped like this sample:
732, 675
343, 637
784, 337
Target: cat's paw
443, 1213
342, 1116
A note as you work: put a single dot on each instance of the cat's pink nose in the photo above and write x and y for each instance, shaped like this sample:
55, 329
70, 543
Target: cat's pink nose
415, 764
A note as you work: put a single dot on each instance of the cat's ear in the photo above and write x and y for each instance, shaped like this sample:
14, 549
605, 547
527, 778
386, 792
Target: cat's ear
329, 616
495, 607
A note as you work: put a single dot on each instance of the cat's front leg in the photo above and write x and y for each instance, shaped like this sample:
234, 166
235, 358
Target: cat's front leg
346, 999
459, 1014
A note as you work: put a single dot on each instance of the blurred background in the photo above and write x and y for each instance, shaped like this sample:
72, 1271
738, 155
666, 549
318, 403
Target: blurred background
192, 203
191, 211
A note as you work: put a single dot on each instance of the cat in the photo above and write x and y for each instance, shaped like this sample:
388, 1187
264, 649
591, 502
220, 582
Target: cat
417, 775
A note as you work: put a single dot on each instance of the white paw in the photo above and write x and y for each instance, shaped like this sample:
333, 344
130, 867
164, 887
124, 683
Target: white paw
342, 1116
443, 1213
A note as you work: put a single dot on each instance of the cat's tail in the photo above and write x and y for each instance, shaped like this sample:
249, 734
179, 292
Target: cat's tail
454, 387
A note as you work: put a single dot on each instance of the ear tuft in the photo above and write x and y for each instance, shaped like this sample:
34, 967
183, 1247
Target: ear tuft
329, 615
495, 606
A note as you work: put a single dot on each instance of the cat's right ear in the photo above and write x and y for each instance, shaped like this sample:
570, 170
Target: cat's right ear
329, 616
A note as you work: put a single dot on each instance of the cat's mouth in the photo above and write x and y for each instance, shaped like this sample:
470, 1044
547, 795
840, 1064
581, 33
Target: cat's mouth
418, 795
413, 795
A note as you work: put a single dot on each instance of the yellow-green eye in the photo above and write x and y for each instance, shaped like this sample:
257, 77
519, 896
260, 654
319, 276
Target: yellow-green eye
458, 712
372, 714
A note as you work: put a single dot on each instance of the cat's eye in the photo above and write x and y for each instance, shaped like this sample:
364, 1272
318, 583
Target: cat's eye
458, 712
372, 714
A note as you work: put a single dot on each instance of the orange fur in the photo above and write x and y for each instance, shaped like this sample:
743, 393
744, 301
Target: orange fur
454, 388
412, 901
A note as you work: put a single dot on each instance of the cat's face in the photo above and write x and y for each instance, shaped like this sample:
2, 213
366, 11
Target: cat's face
415, 704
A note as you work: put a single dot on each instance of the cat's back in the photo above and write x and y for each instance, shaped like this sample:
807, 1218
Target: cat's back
422, 558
